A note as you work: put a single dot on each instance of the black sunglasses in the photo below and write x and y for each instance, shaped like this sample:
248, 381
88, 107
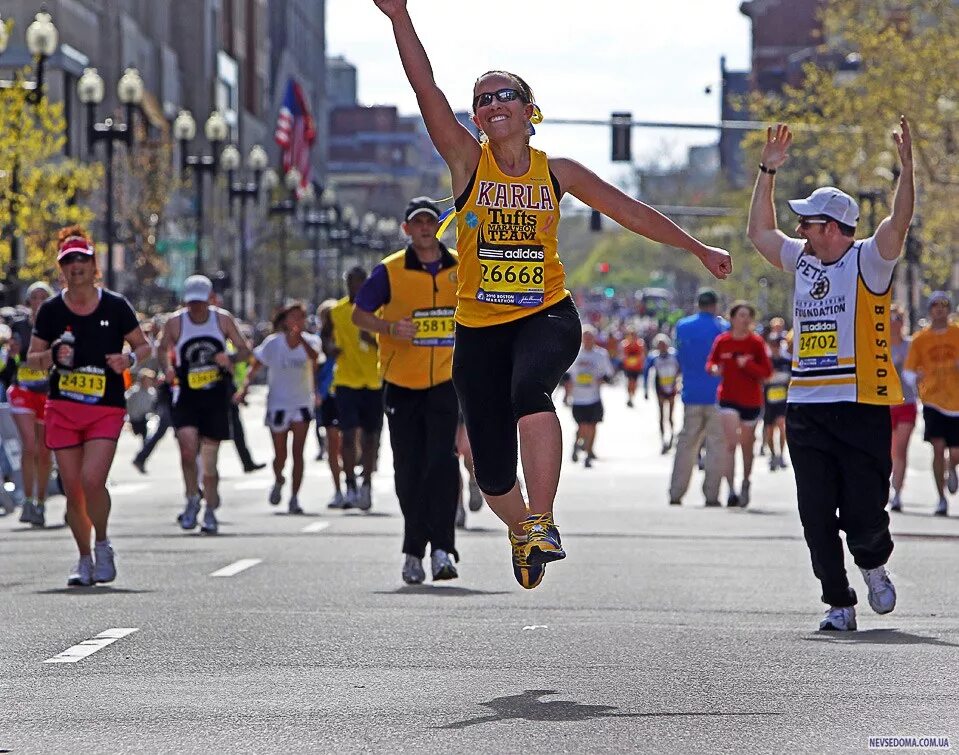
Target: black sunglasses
503, 95
77, 257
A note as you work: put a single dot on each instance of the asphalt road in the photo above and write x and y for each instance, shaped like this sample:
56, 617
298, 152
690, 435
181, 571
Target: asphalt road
667, 629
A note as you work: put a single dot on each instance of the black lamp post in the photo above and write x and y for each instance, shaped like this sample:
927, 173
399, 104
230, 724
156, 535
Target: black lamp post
244, 191
216, 130
319, 221
285, 208
43, 41
90, 90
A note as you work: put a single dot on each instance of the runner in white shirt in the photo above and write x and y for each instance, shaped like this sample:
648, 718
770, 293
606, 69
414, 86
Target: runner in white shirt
291, 355
591, 368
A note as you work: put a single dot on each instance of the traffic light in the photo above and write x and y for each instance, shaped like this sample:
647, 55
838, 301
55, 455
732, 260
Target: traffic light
595, 221
603, 267
622, 132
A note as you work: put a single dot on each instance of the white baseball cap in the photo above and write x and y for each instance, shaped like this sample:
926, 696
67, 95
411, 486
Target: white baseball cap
828, 201
197, 288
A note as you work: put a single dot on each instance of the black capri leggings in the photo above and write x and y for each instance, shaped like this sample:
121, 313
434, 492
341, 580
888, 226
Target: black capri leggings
504, 372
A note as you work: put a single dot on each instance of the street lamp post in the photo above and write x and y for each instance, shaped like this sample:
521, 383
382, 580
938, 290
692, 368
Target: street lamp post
216, 130
285, 208
42, 42
244, 191
319, 221
90, 90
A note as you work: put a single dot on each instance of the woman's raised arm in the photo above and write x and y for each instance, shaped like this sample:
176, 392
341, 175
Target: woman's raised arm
452, 140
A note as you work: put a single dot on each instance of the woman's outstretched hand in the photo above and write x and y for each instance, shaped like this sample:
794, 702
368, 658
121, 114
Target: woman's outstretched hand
717, 261
392, 8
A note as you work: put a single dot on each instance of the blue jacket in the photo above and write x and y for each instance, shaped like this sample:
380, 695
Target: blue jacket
694, 340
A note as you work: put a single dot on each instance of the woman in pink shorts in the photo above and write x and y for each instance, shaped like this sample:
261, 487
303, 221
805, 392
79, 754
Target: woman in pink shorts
27, 395
79, 336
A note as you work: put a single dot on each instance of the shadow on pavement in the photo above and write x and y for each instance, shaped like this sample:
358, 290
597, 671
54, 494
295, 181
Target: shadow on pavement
879, 637
91, 590
528, 706
436, 590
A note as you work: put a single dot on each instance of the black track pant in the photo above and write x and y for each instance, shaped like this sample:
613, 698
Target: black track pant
505, 372
841, 456
426, 467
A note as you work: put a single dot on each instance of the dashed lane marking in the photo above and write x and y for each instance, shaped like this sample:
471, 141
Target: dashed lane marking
236, 567
316, 527
89, 647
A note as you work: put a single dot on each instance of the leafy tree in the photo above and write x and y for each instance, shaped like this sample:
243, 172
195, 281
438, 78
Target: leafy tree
32, 135
908, 54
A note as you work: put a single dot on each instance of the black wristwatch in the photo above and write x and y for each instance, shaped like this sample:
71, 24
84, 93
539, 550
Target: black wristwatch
764, 169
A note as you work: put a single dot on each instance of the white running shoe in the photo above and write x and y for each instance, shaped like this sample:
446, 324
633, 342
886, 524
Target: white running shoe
187, 519
413, 573
295, 506
839, 619
882, 592
105, 568
443, 567
952, 481
210, 525
364, 500
337, 501
276, 493
82, 574
942, 508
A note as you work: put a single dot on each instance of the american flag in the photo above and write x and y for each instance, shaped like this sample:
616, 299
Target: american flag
295, 133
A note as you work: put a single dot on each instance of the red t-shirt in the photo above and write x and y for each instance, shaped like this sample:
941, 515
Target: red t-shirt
634, 356
741, 385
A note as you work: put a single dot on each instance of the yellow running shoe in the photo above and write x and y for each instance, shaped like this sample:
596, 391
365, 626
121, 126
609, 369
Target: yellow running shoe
527, 574
544, 544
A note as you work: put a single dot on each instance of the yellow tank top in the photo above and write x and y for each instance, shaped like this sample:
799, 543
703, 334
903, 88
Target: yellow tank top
506, 237
358, 364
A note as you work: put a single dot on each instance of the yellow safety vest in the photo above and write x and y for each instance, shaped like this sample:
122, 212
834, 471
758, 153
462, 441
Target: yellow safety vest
429, 301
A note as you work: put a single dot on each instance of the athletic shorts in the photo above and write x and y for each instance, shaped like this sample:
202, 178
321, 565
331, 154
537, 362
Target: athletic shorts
70, 424
772, 412
903, 414
746, 413
210, 417
665, 394
633, 374
329, 415
588, 414
940, 426
23, 401
280, 420
360, 408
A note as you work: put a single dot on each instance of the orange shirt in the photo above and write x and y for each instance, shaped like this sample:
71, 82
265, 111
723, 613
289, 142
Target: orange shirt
934, 356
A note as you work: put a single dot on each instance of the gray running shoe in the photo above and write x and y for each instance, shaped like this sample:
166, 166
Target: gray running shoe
337, 502
276, 493
188, 518
105, 569
476, 496
882, 592
839, 619
295, 506
460, 521
210, 525
39, 515
364, 500
952, 481
413, 573
942, 508
443, 567
744, 494
82, 574
26, 513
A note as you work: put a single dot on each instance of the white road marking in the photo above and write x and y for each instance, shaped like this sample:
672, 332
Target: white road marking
89, 647
532, 627
316, 527
127, 488
236, 567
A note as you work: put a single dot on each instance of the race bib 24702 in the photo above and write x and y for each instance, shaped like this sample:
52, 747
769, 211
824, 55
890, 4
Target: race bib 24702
818, 344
